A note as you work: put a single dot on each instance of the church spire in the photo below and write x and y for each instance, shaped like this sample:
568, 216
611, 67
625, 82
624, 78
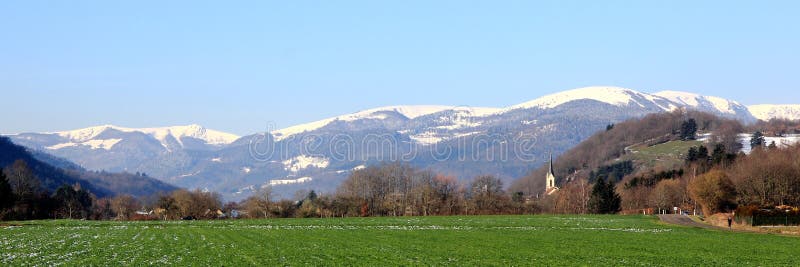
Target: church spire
550, 179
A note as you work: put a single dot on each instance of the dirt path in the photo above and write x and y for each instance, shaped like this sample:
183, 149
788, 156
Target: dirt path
686, 221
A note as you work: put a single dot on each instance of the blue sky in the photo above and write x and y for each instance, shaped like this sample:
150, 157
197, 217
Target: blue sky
237, 66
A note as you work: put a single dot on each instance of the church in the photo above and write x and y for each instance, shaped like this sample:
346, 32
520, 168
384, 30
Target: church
550, 180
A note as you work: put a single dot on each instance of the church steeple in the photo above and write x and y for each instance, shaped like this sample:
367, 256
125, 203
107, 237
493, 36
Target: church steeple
550, 186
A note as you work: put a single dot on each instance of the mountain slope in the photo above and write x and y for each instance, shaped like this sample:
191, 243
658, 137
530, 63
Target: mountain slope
611, 95
99, 183
157, 151
768, 112
626, 141
710, 104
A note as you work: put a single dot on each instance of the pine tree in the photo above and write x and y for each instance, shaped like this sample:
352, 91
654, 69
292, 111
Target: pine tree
702, 153
604, 198
596, 199
6, 194
688, 130
691, 156
613, 201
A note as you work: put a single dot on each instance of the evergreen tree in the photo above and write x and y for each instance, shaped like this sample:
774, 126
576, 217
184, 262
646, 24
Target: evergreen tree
757, 140
73, 203
6, 194
721, 156
613, 201
688, 130
702, 153
596, 199
691, 156
604, 198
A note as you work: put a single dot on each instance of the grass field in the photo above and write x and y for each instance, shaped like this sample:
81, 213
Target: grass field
669, 155
492, 240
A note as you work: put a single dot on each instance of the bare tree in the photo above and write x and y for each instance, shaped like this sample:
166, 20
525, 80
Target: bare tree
23, 182
124, 206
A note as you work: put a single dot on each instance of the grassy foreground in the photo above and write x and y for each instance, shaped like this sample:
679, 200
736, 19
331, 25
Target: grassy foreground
492, 240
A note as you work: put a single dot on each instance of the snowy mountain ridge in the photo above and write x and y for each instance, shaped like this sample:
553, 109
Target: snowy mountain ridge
697, 101
768, 112
612, 95
211, 137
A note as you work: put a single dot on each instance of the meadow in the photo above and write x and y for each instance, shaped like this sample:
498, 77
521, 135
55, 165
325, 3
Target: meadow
669, 155
490, 240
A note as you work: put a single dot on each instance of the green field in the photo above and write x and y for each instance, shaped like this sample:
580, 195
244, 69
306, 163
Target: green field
669, 155
491, 240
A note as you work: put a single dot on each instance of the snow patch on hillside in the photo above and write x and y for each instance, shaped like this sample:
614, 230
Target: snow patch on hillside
106, 144
303, 162
780, 141
426, 138
290, 181
359, 167
768, 112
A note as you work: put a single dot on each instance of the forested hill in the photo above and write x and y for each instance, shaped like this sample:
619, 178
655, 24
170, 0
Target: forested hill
607, 147
50, 177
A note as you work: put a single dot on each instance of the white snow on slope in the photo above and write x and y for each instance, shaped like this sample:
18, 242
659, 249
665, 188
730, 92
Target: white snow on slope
694, 100
359, 167
768, 112
303, 162
410, 112
106, 144
290, 181
608, 94
781, 142
427, 138
160, 133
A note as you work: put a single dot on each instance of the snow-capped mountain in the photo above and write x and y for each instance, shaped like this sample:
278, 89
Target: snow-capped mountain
711, 104
162, 134
611, 95
115, 148
409, 112
768, 112
454, 140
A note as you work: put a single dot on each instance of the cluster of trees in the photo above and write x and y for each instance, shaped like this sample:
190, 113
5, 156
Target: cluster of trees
395, 190
614, 172
719, 182
21, 196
